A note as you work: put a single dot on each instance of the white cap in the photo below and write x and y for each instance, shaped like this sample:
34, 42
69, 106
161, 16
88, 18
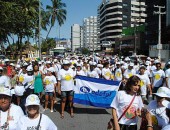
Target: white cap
18, 66
12, 64
51, 69
127, 59
5, 91
19, 90
163, 92
39, 62
131, 64
1, 68
147, 63
66, 62
118, 63
78, 65
100, 65
32, 100
6, 60
122, 62
166, 104
29, 68
142, 66
48, 62
157, 61
148, 58
55, 60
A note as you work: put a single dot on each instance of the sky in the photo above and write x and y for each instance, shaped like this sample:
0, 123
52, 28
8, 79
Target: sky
77, 10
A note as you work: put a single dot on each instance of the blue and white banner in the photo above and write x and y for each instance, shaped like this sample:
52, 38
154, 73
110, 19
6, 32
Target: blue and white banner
95, 92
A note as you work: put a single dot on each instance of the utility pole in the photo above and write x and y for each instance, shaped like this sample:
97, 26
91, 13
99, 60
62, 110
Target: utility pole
159, 45
39, 34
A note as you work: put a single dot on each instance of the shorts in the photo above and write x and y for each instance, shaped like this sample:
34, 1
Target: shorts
128, 127
49, 93
67, 93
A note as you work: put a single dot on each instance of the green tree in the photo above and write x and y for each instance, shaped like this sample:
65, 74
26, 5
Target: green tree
56, 12
48, 44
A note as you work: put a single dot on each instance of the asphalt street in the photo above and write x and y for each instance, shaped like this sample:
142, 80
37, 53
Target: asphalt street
85, 118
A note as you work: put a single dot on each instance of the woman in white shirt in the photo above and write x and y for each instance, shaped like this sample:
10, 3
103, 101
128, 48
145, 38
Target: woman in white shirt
9, 113
35, 120
166, 104
122, 101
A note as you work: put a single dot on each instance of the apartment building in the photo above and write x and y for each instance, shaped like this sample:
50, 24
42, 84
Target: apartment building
90, 30
76, 37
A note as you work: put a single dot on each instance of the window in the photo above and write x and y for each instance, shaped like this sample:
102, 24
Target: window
125, 5
124, 16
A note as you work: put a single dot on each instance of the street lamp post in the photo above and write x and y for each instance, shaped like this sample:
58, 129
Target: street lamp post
159, 45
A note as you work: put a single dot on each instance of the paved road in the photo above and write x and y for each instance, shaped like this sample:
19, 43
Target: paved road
85, 118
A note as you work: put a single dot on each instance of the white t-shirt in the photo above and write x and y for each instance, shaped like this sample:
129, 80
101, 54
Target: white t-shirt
106, 73
129, 72
5, 81
98, 70
81, 72
159, 116
167, 75
157, 76
121, 102
30, 81
85, 70
15, 114
66, 79
50, 81
22, 78
118, 74
167, 127
92, 74
26, 123
143, 83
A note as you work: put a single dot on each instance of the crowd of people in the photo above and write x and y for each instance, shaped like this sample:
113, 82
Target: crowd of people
28, 81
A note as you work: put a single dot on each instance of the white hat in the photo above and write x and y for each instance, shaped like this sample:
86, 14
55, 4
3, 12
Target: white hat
148, 58
55, 60
18, 66
168, 63
29, 68
163, 92
19, 90
5, 91
39, 62
100, 65
142, 66
147, 63
6, 60
166, 104
1, 68
157, 61
118, 63
131, 64
12, 64
48, 62
90, 62
32, 100
127, 59
122, 62
66, 62
78, 65
51, 69
94, 63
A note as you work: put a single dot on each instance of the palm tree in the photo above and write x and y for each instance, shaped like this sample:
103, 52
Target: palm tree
57, 12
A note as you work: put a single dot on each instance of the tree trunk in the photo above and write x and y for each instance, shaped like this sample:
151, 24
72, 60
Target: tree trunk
48, 32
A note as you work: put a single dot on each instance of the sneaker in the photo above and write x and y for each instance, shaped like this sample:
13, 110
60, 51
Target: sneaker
52, 111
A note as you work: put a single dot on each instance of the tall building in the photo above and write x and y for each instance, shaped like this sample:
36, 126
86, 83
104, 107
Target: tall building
76, 37
116, 15
90, 33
